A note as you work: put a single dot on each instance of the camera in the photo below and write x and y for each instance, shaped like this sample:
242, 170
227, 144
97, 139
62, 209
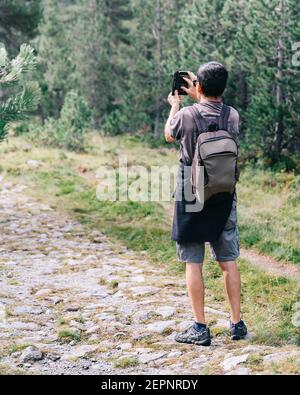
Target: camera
178, 82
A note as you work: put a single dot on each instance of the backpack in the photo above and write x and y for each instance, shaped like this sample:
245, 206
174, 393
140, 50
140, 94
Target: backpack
217, 151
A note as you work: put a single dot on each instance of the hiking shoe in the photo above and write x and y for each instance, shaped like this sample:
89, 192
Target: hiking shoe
238, 331
192, 336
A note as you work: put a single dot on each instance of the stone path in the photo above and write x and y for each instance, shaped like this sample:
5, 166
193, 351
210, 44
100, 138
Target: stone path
72, 302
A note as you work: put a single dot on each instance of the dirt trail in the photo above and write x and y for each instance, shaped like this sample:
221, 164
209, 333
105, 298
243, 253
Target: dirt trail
271, 265
71, 302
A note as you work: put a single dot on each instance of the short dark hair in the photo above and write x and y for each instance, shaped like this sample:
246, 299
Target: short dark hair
212, 77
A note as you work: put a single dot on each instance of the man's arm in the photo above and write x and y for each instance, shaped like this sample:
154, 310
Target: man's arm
175, 106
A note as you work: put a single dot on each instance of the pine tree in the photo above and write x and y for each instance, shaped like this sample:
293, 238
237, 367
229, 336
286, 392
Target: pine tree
19, 97
267, 40
151, 59
56, 68
18, 22
98, 45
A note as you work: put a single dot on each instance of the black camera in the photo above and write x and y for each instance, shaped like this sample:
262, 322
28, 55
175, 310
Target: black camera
178, 82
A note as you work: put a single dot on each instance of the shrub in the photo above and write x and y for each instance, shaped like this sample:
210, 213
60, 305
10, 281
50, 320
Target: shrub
68, 131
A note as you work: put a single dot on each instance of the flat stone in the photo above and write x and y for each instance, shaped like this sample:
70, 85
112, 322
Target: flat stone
215, 312
93, 329
232, 362
43, 292
238, 372
280, 357
222, 323
137, 279
31, 354
165, 311
198, 362
160, 326
144, 290
148, 357
124, 346
174, 354
26, 326
27, 310
94, 337
79, 352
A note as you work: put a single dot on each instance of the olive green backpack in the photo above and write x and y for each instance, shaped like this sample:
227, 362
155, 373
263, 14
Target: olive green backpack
217, 151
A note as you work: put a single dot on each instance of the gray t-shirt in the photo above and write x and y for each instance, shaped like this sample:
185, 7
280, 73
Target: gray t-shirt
183, 126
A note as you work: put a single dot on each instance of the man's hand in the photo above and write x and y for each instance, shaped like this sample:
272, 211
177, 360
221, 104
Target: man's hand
191, 90
174, 100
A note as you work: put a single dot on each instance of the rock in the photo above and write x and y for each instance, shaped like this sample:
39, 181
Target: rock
238, 372
77, 325
183, 325
137, 279
280, 357
174, 354
31, 354
93, 329
165, 311
26, 310
34, 164
142, 316
79, 352
145, 290
160, 326
2, 313
55, 299
85, 364
16, 354
142, 336
231, 362
53, 357
216, 312
221, 323
148, 357
26, 326
43, 292
124, 346
72, 308
94, 337
119, 334
198, 362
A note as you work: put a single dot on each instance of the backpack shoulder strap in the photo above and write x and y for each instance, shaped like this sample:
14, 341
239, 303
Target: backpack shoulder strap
224, 116
199, 120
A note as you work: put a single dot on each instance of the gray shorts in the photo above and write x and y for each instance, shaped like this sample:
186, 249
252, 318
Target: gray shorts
226, 248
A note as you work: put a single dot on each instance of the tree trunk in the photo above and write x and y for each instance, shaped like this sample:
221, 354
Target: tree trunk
279, 127
158, 37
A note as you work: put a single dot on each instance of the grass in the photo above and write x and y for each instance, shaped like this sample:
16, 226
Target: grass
67, 335
269, 222
18, 347
113, 284
125, 362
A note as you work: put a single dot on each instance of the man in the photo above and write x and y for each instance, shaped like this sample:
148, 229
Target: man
210, 84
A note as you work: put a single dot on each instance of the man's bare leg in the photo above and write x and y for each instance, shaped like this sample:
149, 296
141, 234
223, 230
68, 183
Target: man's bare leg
232, 280
195, 286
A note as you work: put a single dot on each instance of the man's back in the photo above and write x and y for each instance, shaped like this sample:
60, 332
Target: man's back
183, 126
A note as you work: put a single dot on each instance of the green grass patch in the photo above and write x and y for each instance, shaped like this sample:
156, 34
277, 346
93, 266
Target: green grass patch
125, 362
67, 335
